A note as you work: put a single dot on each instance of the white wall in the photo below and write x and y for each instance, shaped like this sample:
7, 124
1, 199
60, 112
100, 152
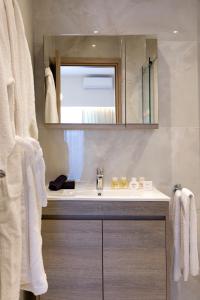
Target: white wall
27, 13
74, 94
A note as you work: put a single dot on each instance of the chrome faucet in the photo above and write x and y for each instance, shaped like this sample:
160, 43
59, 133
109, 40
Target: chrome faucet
99, 179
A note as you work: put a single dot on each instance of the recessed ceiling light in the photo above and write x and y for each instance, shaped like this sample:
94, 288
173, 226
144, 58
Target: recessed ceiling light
93, 45
96, 31
175, 31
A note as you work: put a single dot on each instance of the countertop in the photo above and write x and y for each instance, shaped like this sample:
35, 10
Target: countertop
107, 195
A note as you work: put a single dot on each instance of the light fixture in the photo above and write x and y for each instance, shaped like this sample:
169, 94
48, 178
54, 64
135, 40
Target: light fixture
93, 45
175, 31
95, 31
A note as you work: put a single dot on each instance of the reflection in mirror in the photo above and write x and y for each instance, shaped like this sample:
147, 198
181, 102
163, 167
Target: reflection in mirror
101, 80
88, 94
141, 80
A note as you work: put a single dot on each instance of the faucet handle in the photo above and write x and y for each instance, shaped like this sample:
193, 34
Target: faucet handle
100, 171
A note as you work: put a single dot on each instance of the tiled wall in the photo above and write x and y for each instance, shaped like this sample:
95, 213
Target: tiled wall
27, 14
168, 155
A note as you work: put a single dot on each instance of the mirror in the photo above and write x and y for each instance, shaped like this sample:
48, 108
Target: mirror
101, 80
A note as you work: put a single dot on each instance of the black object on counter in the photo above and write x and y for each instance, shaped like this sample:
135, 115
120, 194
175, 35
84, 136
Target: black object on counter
57, 183
69, 185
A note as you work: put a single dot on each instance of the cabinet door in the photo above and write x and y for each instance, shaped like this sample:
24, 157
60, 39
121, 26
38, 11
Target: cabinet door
73, 259
134, 259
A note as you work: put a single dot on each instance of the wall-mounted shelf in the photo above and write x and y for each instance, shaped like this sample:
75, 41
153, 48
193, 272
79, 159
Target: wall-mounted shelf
102, 126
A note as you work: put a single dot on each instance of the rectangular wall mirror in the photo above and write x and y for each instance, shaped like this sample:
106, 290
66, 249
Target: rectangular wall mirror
101, 80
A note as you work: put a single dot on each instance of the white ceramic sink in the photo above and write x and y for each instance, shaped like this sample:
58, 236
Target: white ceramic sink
107, 194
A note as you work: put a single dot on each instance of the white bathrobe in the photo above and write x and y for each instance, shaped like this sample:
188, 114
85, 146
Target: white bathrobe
10, 232
21, 262
25, 118
10, 162
33, 277
17, 116
7, 132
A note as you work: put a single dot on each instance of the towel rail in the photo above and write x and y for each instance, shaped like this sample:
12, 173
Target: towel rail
177, 187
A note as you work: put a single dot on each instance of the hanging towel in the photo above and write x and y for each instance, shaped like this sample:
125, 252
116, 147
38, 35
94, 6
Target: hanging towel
185, 235
177, 235
39, 172
33, 277
186, 260
51, 111
191, 214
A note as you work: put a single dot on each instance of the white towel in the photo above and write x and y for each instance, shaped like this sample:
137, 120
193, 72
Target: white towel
39, 172
177, 235
193, 244
33, 277
186, 260
185, 235
51, 111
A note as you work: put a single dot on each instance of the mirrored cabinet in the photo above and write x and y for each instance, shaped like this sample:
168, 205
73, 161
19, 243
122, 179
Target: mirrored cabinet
101, 81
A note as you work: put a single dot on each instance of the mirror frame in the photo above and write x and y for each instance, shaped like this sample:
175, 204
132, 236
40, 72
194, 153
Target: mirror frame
59, 61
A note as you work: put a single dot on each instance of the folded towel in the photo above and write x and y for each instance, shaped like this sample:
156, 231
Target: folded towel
57, 183
69, 185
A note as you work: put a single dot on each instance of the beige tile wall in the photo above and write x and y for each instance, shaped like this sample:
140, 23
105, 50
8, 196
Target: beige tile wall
27, 13
168, 155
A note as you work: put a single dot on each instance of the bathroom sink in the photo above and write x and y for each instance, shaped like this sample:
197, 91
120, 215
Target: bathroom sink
107, 194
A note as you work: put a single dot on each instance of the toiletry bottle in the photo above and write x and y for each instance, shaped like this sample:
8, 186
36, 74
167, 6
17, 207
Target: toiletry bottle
141, 183
123, 183
115, 183
133, 185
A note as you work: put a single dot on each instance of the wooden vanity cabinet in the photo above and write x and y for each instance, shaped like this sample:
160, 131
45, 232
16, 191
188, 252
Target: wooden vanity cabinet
102, 255
134, 260
73, 259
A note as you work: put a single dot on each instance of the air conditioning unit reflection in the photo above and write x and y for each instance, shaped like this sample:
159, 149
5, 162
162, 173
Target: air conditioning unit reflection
97, 82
